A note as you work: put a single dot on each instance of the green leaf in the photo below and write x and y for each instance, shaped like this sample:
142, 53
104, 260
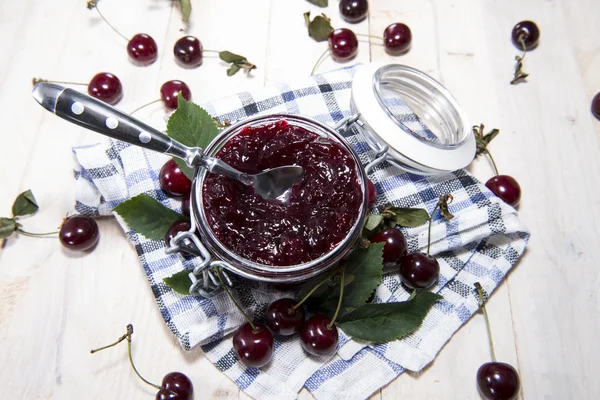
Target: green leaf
385, 322
7, 227
186, 9
147, 216
24, 204
191, 125
320, 3
373, 221
187, 171
443, 202
233, 69
319, 28
230, 57
408, 217
179, 282
361, 277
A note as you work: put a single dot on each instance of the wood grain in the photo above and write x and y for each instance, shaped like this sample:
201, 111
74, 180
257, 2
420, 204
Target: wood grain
56, 305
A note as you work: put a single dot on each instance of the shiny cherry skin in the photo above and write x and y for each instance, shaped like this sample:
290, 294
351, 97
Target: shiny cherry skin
283, 319
176, 227
173, 181
395, 245
397, 38
343, 44
254, 349
418, 270
316, 338
142, 49
372, 192
354, 11
79, 232
530, 33
188, 51
176, 386
498, 381
169, 91
106, 87
185, 205
596, 106
506, 188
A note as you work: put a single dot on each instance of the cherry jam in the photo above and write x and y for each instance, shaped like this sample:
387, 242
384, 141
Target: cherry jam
322, 208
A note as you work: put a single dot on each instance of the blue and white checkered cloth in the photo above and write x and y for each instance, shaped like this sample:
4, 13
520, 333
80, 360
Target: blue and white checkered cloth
481, 243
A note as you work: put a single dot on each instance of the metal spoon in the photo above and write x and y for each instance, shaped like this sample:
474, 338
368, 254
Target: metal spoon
98, 116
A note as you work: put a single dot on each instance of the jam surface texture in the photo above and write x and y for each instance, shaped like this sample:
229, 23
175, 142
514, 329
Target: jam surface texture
322, 207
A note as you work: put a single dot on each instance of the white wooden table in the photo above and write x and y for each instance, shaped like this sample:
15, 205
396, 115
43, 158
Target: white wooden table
56, 305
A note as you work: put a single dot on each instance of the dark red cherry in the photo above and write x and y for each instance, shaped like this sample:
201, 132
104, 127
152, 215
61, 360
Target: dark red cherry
185, 205
372, 192
395, 245
529, 32
397, 38
418, 270
142, 49
79, 232
343, 44
282, 318
498, 381
169, 91
176, 227
173, 181
106, 87
188, 51
354, 11
316, 338
596, 106
254, 348
506, 188
176, 386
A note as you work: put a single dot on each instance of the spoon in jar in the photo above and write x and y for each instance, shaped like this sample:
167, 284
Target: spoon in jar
95, 115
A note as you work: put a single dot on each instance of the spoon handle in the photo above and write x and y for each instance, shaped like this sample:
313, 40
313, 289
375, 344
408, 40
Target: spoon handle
98, 116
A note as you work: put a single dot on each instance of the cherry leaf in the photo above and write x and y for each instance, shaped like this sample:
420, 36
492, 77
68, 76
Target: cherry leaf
187, 171
230, 57
233, 69
384, 322
319, 28
443, 202
186, 9
191, 125
7, 227
409, 217
320, 3
25, 204
179, 282
373, 221
147, 216
361, 277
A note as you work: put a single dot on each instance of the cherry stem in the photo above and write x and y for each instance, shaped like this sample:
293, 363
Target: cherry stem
523, 46
210, 51
429, 229
38, 80
318, 285
145, 105
339, 305
369, 36
21, 231
319, 60
108, 23
110, 345
493, 162
487, 320
235, 302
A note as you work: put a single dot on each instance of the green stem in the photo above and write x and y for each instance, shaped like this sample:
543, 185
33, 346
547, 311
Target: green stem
487, 320
210, 51
429, 229
523, 46
38, 80
108, 23
145, 105
125, 336
339, 305
492, 160
370, 36
319, 60
133, 365
235, 302
21, 231
318, 285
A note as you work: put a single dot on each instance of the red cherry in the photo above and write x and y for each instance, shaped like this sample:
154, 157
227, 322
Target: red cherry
316, 338
418, 270
142, 49
529, 32
498, 381
79, 232
397, 38
169, 91
188, 51
282, 318
506, 188
185, 206
176, 386
254, 348
372, 192
395, 245
106, 87
173, 180
343, 44
176, 227
354, 11
596, 106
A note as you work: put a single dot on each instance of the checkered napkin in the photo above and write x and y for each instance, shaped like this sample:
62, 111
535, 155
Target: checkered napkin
481, 243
